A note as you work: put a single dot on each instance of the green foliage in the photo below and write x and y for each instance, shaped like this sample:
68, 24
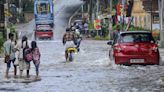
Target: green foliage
115, 27
13, 30
101, 38
133, 28
2, 40
115, 2
91, 26
28, 5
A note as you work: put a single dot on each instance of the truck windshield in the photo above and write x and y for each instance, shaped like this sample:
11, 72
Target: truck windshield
43, 8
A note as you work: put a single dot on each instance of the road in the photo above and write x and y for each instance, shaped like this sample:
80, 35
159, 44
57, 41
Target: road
91, 71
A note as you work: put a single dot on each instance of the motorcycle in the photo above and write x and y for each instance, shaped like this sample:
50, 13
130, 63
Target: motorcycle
78, 42
71, 51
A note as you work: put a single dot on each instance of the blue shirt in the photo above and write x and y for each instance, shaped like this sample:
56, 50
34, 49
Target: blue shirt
8, 48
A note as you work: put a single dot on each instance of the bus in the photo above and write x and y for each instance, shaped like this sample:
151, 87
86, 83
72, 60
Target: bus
44, 12
44, 18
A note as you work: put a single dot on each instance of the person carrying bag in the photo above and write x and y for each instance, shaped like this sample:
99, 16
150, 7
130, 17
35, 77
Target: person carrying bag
9, 54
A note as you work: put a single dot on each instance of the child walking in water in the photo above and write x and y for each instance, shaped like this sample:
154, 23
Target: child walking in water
36, 56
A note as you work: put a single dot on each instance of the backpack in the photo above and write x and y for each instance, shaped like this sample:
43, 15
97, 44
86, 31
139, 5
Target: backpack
27, 53
36, 54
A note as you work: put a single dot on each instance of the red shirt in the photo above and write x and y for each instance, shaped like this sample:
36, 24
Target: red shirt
118, 8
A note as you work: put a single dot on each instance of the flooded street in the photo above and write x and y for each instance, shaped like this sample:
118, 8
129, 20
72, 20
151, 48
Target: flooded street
91, 70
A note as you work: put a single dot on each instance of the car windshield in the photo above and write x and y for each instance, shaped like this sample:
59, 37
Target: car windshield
136, 37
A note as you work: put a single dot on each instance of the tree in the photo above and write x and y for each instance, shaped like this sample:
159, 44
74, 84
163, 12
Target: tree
27, 5
129, 10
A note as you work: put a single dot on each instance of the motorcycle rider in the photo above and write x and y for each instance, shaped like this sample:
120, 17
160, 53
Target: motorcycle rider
77, 35
78, 38
68, 41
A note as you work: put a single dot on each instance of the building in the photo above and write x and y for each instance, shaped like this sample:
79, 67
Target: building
161, 7
161, 13
145, 13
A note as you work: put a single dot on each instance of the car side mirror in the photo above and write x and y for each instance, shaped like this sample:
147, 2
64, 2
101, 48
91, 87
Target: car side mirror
110, 42
157, 42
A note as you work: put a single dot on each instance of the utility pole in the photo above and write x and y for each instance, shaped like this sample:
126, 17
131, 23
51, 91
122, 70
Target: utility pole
82, 11
20, 6
111, 6
151, 11
97, 12
161, 15
7, 10
90, 10
110, 19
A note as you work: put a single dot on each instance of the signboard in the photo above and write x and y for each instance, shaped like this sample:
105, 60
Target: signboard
97, 24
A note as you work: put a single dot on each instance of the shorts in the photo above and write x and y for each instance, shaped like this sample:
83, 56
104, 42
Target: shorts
69, 44
9, 63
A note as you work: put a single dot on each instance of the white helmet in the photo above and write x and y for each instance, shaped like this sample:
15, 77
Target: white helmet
73, 28
77, 31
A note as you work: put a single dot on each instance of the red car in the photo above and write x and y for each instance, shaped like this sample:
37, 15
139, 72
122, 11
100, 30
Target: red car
134, 47
44, 31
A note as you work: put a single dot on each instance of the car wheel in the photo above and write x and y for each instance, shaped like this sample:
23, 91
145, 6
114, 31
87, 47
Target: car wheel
70, 57
126, 64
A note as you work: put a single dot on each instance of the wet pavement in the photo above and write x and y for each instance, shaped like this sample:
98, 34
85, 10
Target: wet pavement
91, 70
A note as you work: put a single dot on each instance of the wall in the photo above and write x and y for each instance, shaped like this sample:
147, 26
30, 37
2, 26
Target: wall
141, 17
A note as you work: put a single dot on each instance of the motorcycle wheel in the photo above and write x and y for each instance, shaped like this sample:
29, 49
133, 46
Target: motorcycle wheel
70, 57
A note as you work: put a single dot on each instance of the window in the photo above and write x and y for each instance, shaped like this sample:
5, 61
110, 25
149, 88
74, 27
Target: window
136, 37
43, 8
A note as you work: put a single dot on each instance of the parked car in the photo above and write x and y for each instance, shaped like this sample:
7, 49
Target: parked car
134, 47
